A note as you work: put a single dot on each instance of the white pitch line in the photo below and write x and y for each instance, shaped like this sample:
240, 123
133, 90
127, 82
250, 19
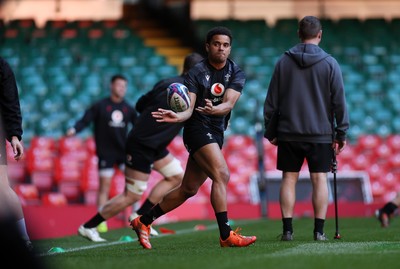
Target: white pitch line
185, 231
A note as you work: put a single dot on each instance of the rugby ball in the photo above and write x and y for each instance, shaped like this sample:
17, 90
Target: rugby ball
178, 97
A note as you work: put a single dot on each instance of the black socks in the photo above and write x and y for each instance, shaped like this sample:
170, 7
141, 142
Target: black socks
147, 205
389, 208
287, 224
223, 225
152, 215
94, 222
319, 225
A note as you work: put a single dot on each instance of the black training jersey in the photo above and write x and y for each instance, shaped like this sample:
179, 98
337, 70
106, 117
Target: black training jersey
147, 130
209, 83
111, 121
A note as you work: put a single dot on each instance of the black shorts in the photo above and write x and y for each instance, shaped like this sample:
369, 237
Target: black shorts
141, 158
197, 137
110, 162
291, 156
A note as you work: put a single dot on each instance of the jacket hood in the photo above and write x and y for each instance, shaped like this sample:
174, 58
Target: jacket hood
306, 55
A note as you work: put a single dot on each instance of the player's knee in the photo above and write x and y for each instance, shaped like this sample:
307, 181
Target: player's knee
172, 169
189, 192
136, 186
174, 181
223, 175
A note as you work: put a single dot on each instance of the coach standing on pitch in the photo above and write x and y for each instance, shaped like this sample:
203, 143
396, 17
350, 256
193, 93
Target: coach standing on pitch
307, 91
11, 130
215, 85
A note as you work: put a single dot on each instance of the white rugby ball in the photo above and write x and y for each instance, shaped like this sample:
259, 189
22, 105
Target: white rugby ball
178, 97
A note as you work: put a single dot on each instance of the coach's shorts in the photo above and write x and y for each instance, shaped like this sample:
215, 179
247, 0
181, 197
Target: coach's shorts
197, 137
141, 158
291, 156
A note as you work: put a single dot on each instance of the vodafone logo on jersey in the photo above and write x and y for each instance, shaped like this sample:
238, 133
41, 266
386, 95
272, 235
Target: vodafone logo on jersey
217, 89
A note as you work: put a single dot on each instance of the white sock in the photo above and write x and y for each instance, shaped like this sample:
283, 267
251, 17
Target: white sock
22, 229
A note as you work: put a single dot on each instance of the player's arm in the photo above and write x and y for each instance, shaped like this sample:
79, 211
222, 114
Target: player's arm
83, 122
230, 98
165, 115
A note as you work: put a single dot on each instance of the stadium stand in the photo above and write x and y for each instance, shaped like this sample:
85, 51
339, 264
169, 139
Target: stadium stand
61, 67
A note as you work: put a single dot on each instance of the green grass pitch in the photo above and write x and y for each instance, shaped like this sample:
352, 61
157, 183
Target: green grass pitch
364, 244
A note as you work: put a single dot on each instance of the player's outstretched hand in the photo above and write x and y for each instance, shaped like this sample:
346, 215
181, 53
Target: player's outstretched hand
164, 115
207, 108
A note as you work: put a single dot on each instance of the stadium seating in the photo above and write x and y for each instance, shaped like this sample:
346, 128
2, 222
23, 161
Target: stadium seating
62, 67
28, 194
54, 199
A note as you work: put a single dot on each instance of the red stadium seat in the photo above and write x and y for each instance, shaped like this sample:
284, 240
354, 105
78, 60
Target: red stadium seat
237, 142
90, 174
394, 162
377, 190
43, 142
389, 180
71, 190
75, 147
367, 144
360, 162
28, 194
54, 199
67, 168
176, 147
393, 141
117, 184
383, 152
71, 144
39, 159
16, 170
377, 171
43, 180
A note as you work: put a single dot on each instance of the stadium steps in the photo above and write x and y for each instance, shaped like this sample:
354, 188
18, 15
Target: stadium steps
169, 47
159, 37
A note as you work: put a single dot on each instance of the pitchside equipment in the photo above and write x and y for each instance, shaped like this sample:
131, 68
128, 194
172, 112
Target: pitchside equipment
334, 170
178, 97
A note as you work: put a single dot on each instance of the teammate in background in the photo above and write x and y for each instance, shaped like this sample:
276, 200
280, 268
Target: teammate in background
146, 149
307, 90
215, 84
11, 130
385, 213
111, 117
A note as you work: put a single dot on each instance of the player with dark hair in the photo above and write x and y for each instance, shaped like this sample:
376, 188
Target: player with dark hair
307, 92
111, 118
215, 85
146, 149
10, 130
385, 213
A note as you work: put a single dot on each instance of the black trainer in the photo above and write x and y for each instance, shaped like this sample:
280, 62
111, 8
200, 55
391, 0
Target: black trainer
287, 236
383, 218
320, 236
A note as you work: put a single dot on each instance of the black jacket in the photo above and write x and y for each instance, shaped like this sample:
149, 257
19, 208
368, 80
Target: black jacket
10, 111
